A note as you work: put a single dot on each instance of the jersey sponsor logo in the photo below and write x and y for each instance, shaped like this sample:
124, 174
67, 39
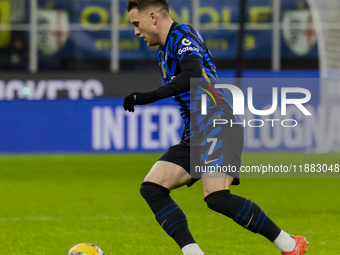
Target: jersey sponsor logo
186, 42
181, 51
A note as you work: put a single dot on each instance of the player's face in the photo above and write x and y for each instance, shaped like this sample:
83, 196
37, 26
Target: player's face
145, 27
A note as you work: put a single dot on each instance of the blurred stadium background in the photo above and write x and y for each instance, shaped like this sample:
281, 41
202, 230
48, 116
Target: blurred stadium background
51, 35
65, 66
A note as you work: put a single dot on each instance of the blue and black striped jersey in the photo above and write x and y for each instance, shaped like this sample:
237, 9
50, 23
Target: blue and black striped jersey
183, 44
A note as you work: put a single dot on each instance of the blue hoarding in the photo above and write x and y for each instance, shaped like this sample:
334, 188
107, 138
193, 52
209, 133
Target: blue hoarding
86, 126
102, 125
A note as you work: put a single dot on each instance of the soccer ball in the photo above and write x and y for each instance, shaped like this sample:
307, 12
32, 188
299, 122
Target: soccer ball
85, 249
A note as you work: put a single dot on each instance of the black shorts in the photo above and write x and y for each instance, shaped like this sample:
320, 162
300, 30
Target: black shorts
228, 151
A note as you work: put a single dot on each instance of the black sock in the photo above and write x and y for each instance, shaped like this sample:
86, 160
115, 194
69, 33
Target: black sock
244, 212
168, 214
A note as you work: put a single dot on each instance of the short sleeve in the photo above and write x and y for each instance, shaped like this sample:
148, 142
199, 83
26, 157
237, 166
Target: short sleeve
188, 47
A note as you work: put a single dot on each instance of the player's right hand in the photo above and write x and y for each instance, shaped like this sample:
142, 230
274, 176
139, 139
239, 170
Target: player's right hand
130, 102
139, 98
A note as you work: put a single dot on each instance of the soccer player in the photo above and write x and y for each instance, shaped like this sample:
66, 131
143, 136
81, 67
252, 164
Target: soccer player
183, 55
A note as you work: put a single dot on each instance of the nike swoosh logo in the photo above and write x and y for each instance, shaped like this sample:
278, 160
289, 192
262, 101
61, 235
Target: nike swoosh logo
163, 223
210, 161
249, 221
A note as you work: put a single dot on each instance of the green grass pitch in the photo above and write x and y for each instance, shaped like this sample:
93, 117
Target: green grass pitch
50, 203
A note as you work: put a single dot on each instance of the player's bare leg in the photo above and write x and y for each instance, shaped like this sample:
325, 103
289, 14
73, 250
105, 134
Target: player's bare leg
216, 188
168, 175
162, 178
215, 182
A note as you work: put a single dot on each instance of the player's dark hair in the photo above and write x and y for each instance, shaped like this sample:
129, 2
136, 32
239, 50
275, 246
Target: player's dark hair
143, 4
